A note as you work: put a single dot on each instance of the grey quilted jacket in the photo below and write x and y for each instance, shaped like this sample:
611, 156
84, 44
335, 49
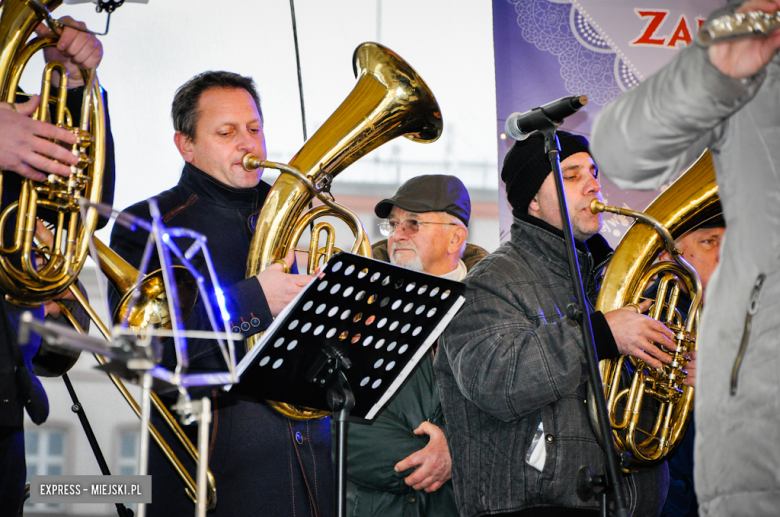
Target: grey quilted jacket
510, 360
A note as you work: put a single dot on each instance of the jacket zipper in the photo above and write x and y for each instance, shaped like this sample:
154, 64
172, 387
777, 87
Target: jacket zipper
752, 310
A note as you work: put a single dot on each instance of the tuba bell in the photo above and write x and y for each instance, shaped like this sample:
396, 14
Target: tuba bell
24, 283
389, 100
632, 388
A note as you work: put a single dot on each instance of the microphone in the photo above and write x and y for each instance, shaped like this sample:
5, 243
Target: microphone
519, 126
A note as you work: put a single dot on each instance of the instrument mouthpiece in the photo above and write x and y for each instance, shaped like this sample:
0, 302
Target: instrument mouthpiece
596, 207
251, 162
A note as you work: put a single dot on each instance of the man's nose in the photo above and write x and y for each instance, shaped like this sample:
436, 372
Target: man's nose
246, 142
400, 232
592, 186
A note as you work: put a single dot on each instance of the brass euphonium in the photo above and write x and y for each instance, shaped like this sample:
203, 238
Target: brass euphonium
632, 388
20, 278
389, 100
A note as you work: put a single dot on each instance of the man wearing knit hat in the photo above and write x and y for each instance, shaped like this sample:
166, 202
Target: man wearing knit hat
400, 465
511, 368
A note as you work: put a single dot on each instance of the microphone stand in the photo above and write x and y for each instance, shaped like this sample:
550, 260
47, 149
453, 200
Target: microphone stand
578, 311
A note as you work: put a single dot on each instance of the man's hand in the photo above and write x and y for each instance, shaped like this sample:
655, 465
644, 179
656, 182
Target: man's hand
279, 287
635, 334
433, 461
76, 50
24, 144
742, 58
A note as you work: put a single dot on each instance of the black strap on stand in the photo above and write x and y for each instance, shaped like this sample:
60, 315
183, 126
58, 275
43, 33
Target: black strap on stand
79, 410
578, 311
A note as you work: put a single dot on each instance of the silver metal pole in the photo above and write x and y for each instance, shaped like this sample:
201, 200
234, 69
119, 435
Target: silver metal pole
143, 460
204, 419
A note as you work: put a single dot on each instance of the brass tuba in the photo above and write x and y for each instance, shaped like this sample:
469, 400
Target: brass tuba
631, 270
389, 100
20, 278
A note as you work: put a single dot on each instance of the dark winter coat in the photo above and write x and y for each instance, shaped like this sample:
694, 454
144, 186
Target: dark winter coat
264, 463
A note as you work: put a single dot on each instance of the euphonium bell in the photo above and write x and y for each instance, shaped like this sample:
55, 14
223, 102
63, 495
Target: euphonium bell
649, 409
389, 100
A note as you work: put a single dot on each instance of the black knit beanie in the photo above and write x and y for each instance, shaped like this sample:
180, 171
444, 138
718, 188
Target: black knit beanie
526, 166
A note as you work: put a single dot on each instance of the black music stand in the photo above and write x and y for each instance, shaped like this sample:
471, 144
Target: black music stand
349, 341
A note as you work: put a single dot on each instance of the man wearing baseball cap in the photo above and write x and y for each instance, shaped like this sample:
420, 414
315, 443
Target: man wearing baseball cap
400, 465
511, 367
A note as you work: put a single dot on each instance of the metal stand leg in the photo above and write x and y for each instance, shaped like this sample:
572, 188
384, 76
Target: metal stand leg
341, 401
579, 312
143, 460
204, 420
79, 410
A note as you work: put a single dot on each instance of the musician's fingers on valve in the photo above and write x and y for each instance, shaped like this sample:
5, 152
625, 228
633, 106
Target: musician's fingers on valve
281, 287
637, 335
690, 370
24, 144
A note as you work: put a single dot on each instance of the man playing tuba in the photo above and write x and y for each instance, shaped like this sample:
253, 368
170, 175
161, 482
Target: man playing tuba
511, 369
263, 463
28, 150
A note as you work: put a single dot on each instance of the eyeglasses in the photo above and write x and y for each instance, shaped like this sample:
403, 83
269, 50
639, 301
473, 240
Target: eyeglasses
410, 226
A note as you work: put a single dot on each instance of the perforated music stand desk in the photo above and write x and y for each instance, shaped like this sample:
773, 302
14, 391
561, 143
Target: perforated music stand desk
381, 317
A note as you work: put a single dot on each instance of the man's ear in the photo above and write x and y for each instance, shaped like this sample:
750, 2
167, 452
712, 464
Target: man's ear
459, 236
533, 206
184, 145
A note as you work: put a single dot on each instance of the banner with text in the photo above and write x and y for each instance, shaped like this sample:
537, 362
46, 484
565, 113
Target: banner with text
547, 49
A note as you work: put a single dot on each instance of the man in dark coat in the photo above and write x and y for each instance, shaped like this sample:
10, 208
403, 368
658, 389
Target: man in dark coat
511, 367
28, 150
700, 246
400, 465
263, 463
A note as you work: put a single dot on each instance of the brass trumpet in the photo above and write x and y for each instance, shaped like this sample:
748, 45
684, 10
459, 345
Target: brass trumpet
389, 100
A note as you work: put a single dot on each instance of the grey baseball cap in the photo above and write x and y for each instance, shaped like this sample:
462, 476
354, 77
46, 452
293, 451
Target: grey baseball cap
429, 193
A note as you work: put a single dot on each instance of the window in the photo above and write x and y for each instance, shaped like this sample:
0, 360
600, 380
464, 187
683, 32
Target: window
45, 454
127, 464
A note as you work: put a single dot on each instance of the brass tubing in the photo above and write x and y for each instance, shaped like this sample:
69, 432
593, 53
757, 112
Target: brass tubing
666, 236
28, 286
191, 487
632, 269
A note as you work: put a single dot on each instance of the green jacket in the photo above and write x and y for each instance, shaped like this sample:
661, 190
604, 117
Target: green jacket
374, 488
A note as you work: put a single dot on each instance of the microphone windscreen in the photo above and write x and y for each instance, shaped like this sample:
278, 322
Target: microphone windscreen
512, 128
